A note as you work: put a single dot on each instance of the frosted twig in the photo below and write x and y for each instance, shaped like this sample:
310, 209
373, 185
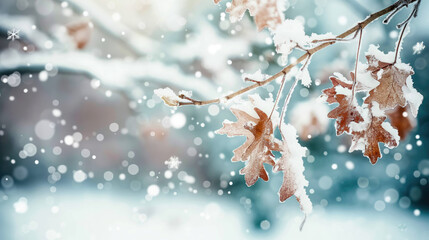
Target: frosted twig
285, 70
279, 93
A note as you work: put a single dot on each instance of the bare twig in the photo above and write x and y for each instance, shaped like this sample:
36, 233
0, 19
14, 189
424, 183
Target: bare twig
311, 51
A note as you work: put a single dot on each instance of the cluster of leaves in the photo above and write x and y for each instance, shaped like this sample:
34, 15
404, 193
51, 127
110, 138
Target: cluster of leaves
257, 124
387, 85
385, 82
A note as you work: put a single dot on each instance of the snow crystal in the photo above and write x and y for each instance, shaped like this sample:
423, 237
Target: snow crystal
418, 48
257, 76
413, 97
13, 34
173, 162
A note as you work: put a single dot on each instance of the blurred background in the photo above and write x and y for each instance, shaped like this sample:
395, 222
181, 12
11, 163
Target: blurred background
88, 152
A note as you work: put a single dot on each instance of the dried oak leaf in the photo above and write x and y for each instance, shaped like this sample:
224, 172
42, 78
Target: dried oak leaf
258, 146
393, 78
292, 166
80, 32
401, 119
367, 134
347, 111
266, 13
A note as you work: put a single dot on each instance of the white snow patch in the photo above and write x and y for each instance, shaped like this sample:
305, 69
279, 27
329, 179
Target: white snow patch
289, 35
257, 76
295, 164
169, 97
413, 97
379, 55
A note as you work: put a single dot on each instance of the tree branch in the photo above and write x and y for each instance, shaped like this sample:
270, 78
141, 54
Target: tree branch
357, 27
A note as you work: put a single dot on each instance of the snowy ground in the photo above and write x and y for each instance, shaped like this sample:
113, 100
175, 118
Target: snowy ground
87, 215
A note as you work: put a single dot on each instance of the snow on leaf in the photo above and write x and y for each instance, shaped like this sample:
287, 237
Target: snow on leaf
266, 13
393, 82
347, 110
401, 119
367, 134
288, 35
292, 166
259, 143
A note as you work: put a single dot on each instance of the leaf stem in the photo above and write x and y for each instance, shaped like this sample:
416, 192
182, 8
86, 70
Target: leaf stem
279, 93
398, 46
356, 64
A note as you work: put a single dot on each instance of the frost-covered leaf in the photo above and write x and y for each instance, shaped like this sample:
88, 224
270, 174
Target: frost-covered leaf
367, 134
347, 110
260, 140
292, 166
395, 82
266, 13
401, 119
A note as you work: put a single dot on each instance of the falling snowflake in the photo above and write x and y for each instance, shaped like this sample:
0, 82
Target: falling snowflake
173, 162
418, 48
13, 34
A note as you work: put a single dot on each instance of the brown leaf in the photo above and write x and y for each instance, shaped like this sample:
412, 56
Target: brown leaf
292, 166
374, 130
388, 93
347, 111
401, 119
80, 32
258, 146
266, 13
